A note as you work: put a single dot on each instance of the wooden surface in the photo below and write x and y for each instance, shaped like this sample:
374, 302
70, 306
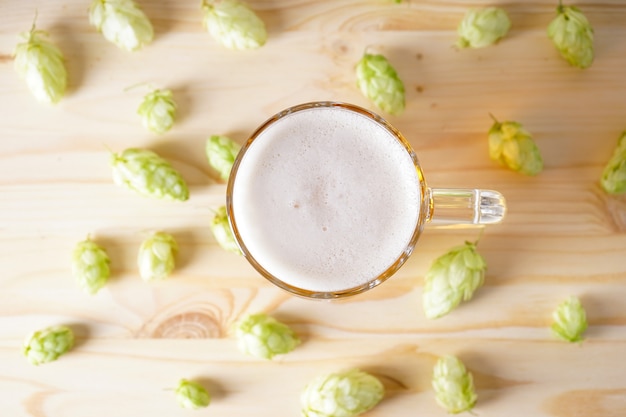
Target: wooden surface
562, 236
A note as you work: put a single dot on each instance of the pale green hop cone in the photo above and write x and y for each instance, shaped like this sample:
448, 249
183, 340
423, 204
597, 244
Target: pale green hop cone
342, 394
41, 65
452, 278
221, 152
378, 81
220, 227
48, 344
90, 266
157, 256
572, 35
453, 385
613, 179
264, 337
158, 111
234, 24
148, 174
121, 22
570, 320
513, 146
482, 27
192, 395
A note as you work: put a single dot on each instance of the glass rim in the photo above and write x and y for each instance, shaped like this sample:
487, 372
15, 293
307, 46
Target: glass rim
380, 278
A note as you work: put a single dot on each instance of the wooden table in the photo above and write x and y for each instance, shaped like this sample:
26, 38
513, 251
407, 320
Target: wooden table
562, 236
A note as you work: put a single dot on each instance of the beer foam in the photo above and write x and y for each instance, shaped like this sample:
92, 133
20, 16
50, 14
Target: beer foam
326, 199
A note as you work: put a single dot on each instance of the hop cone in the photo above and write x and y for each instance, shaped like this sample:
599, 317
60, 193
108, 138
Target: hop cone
148, 174
513, 146
234, 24
453, 385
121, 22
90, 266
192, 395
156, 257
572, 35
264, 337
379, 82
48, 344
222, 231
343, 394
570, 320
482, 27
158, 111
614, 175
40, 64
221, 152
452, 278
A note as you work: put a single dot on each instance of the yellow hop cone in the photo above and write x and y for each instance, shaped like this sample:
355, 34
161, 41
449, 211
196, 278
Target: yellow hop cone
570, 320
572, 35
90, 266
613, 179
48, 344
192, 395
264, 337
220, 227
158, 111
221, 152
121, 22
234, 24
513, 146
378, 81
453, 385
482, 27
40, 64
156, 258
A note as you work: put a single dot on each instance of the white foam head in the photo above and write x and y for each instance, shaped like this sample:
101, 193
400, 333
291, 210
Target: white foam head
326, 199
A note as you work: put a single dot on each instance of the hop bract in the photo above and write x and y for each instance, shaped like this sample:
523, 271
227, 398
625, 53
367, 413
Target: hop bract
158, 111
513, 146
221, 152
40, 64
121, 22
482, 27
148, 174
453, 278
48, 344
192, 395
156, 258
342, 394
222, 231
378, 81
572, 35
614, 174
570, 320
234, 24
453, 385
264, 337
90, 266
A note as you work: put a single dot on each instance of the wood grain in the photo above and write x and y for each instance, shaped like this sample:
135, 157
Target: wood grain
562, 234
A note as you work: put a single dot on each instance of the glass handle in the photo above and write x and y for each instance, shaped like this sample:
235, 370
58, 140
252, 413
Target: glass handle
458, 206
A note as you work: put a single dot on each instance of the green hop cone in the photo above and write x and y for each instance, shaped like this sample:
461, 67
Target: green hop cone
570, 320
234, 24
192, 395
156, 258
452, 278
48, 344
221, 152
148, 174
482, 27
572, 35
513, 146
90, 266
379, 82
40, 64
453, 385
158, 111
342, 394
614, 174
121, 22
264, 337
222, 231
